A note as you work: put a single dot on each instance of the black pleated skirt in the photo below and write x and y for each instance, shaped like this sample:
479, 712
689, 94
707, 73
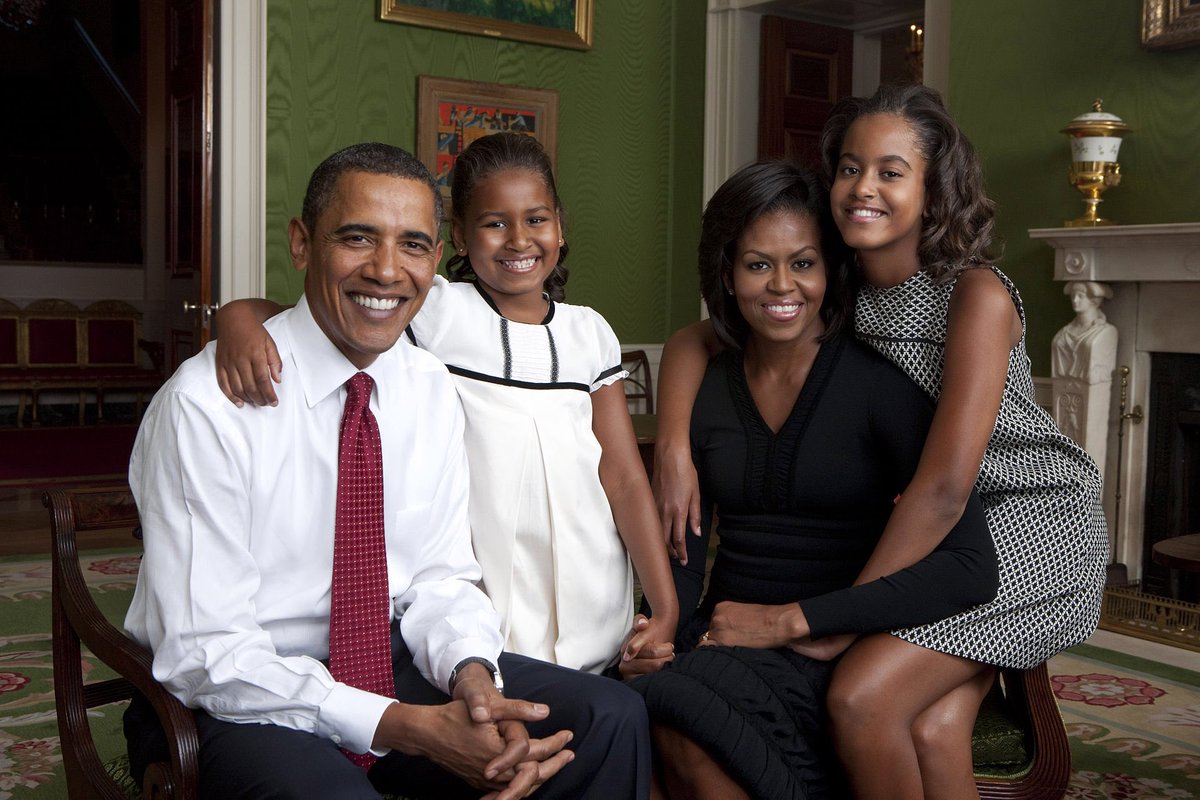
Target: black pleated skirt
760, 713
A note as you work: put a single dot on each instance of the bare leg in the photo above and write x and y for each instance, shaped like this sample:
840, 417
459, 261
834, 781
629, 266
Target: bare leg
942, 736
879, 690
687, 770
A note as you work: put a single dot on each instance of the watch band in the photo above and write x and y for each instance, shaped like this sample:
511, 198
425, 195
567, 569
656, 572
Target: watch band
497, 678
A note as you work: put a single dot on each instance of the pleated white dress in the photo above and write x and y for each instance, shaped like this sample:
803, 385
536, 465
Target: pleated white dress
553, 562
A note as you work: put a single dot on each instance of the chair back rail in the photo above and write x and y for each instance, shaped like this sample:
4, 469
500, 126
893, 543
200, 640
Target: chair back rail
76, 621
639, 385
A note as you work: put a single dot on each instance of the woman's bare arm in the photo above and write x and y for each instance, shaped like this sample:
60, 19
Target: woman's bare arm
676, 488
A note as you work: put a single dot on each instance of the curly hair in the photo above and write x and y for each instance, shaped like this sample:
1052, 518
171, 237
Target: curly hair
958, 218
752, 192
484, 157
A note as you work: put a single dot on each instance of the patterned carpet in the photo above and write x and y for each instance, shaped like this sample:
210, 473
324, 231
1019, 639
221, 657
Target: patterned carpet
1134, 724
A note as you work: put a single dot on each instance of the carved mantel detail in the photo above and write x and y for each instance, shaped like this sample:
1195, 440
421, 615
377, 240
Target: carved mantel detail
1154, 274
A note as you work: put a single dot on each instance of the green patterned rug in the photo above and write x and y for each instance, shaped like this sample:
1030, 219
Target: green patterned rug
30, 762
1134, 725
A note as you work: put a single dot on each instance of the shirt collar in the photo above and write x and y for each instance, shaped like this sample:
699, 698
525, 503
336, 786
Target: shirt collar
320, 367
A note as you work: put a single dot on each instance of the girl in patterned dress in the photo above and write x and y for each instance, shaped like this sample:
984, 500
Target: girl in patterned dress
559, 501
907, 195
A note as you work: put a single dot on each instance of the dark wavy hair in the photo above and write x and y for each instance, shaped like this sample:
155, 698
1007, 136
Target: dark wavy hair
374, 158
958, 219
484, 157
752, 192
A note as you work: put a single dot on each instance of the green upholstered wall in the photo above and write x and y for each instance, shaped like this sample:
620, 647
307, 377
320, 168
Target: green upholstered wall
1019, 71
629, 142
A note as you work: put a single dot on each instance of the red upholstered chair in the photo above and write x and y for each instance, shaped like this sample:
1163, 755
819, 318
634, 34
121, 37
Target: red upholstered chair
9, 347
53, 339
113, 352
111, 341
52, 350
11, 378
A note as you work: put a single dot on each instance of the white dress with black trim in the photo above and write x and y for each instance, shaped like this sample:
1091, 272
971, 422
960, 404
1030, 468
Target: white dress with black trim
553, 562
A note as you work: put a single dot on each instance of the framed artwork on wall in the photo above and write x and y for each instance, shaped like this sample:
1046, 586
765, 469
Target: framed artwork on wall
562, 23
1170, 24
452, 113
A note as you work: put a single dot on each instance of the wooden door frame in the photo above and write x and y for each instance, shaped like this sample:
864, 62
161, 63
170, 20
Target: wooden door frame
242, 150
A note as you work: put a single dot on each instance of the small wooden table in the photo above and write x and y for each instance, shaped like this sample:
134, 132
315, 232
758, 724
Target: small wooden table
1178, 554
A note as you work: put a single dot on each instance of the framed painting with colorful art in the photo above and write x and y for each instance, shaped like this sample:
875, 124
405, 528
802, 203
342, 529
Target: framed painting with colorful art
562, 23
452, 113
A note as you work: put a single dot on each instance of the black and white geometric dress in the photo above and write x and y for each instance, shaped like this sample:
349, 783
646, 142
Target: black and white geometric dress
1040, 491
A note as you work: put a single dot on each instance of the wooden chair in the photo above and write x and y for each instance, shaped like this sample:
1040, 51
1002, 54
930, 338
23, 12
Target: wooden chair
77, 620
1021, 715
639, 387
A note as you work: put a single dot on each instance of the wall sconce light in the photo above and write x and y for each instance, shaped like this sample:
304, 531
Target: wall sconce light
916, 53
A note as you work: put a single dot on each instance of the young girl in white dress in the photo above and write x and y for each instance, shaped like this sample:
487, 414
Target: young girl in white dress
559, 498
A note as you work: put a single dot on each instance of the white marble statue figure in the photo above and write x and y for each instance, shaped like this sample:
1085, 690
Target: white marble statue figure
1086, 347
1083, 360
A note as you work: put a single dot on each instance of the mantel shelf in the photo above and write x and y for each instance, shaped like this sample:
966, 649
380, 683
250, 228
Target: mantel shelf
1119, 253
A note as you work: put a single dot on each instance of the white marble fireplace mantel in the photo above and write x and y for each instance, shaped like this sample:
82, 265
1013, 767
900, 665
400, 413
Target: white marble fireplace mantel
1154, 271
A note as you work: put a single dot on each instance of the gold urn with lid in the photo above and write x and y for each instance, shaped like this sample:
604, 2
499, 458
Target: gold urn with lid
1095, 144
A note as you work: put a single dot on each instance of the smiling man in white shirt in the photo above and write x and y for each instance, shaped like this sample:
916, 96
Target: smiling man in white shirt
238, 511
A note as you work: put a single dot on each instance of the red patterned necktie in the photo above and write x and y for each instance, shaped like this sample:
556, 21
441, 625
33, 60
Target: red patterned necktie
360, 652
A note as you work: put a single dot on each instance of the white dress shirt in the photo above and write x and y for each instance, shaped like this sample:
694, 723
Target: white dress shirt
237, 510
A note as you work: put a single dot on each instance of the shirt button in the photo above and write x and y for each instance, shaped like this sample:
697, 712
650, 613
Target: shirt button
336, 739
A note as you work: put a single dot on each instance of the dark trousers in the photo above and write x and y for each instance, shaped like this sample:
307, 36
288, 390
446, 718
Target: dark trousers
611, 743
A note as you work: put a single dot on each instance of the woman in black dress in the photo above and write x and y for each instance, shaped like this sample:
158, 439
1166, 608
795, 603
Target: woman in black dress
802, 438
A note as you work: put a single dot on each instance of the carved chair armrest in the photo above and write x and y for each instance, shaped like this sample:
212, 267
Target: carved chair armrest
77, 620
1032, 686
1030, 695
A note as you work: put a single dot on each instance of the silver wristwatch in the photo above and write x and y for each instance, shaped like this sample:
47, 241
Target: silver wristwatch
497, 678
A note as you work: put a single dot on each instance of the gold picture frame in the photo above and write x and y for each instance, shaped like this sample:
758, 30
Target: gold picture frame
453, 113
1170, 24
576, 33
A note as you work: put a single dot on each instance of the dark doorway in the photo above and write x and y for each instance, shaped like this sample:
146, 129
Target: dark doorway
805, 70
1173, 464
72, 149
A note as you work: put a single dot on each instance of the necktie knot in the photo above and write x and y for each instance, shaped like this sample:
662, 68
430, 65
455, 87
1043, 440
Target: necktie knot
358, 391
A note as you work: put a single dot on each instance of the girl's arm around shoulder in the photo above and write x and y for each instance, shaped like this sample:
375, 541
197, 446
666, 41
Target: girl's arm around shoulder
248, 362
624, 480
